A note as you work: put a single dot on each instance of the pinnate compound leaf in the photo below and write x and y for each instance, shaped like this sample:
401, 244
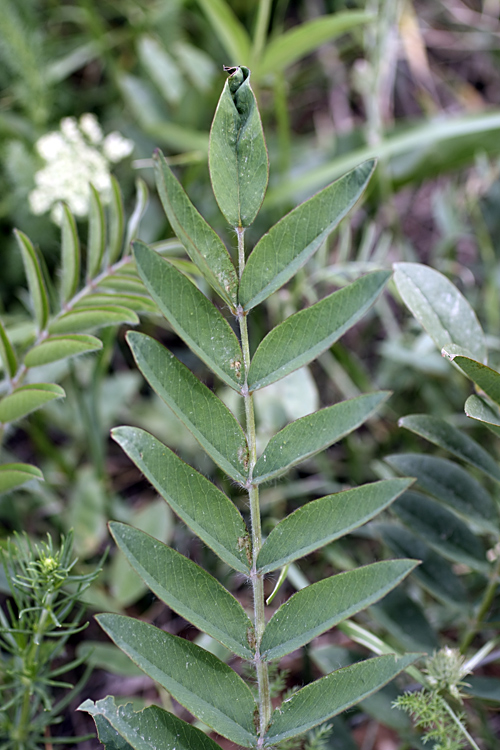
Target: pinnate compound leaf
149, 729
237, 153
205, 509
291, 242
309, 435
36, 284
192, 316
203, 245
97, 234
285, 49
443, 434
330, 695
188, 589
15, 475
479, 409
199, 681
321, 521
440, 308
487, 379
197, 407
84, 319
27, 398
116, 222
319, 607
7, 353
61, 347
441, 529
450, 484
306, 334
70, 255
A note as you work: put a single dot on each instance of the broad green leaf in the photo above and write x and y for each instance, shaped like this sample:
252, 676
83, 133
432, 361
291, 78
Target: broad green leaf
61, 347
443, 434
321, 521
162, 68
7, 353
135, 302
433, 573
441, 529
450, 484
205, 509
319, 607
122, 283
477, 408
70, 255
440, 308
309, 435
292, 241
487, 379
36, 284
330, 695
292, 45
199, 681
203, 245
228, 29
87, 318
192, 316
116, 222
97, 234
15, 475
237, 153
486, 688
197, 407
149, 729
27, 398
108, 736
141, 202
307, 333
405, 620
188, 589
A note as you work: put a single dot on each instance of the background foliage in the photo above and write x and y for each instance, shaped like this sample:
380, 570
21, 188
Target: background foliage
414, 83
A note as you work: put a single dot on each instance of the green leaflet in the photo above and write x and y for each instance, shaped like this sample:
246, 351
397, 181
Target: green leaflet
230, 32
135, 302
291, 242
434, 573
321, 521
97, 234
203, 245
192, 316
144, 730
188, 589
84, 319
441, 529
450, 484
210, 421
36, 284
237, 154
27, 398
70, 255
487, 379
330, 695
477, 408
116, 221
319, 607
15, 475
440, 308
309, 435
307, 333
203, 684
206, 510
61, 347
7, 353
443, 434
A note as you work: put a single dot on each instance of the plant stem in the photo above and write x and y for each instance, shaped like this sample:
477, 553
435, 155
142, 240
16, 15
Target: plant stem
484, 607
256, 578
459, 724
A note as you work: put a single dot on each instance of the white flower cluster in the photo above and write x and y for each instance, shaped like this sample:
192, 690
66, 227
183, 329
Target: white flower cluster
75, 156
